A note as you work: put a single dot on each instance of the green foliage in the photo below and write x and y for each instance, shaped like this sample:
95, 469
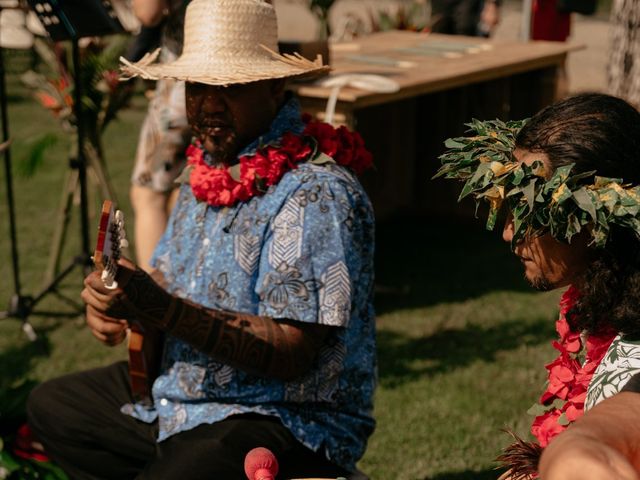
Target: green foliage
103, 96
15, 468
562, 203
35, 155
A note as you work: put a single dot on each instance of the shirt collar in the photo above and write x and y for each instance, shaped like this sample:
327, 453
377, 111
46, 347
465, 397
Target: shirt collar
288, 119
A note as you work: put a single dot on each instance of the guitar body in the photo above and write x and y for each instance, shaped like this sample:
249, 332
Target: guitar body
145, 350
144, 344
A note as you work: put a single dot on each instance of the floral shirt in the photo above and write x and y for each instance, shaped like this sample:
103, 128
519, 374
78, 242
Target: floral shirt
619, 365
304, 252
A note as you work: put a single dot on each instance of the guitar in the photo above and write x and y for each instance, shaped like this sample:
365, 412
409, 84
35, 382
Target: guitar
143, 364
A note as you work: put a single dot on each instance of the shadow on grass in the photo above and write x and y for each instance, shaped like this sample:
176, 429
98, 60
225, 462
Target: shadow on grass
422, 261
17, 360
403, 359
16, 363
489, 474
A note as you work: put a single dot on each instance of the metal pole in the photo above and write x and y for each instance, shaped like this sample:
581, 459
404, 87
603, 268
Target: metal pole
525, 27
9, 176
81, 161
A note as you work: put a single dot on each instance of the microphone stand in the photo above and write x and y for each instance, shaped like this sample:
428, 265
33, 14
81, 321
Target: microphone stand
19, 305
63, 22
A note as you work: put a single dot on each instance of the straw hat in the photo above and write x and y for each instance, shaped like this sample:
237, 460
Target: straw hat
227, 42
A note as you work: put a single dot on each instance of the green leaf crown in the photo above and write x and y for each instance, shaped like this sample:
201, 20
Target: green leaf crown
563, 204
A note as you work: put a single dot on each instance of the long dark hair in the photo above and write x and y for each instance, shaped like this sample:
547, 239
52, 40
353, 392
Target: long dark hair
602, 133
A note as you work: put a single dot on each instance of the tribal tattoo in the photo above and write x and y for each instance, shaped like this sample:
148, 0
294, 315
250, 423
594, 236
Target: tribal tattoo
257, 344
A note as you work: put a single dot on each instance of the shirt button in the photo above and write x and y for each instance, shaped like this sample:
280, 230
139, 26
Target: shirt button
164, 402
193, 284
206, 242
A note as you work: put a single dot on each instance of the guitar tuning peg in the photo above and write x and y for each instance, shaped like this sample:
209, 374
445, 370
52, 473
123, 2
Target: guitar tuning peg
108, 280
119, 216
124, 243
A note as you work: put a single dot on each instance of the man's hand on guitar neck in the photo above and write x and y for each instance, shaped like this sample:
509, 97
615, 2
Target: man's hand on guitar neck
107, 325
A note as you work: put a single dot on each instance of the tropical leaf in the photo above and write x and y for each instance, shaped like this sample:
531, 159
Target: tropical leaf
34, 158
564, 204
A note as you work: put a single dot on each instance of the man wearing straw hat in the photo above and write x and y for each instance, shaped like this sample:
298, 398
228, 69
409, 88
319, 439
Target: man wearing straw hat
266, 296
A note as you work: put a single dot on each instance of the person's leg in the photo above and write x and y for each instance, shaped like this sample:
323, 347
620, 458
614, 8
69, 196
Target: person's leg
78, 420
218, 451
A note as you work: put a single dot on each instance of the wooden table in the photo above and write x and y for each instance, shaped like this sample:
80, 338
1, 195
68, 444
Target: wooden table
444, 82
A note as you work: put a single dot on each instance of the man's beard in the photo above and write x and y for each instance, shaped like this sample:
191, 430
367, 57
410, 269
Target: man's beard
226, 155
541, 284
223, 150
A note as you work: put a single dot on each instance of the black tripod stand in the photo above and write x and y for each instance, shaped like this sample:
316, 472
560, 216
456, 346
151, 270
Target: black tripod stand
70, 20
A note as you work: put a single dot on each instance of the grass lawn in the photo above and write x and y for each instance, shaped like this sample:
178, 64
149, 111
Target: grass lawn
462, 339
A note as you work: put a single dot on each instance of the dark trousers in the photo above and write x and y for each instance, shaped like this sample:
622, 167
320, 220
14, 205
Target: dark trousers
78, 420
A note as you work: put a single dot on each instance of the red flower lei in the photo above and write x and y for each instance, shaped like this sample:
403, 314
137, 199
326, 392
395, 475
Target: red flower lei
563, 400
217, 186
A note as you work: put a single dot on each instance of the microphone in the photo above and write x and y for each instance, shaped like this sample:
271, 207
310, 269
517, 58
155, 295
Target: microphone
260, 464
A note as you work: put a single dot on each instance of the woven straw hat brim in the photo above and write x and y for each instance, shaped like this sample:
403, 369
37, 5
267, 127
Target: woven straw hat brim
213, 71
227, 42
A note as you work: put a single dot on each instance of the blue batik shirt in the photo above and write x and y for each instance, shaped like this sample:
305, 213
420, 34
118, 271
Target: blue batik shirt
303, 251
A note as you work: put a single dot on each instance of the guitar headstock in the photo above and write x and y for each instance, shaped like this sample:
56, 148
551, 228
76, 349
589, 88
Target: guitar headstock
111, 240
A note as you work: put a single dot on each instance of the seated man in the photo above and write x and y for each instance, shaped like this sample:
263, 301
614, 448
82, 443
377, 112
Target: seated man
570, 179
267, 277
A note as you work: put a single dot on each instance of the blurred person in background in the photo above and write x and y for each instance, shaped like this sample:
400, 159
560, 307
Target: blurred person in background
550, 24
164, 135
465, 17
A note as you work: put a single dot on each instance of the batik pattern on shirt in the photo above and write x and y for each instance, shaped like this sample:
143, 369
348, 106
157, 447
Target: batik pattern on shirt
303, 252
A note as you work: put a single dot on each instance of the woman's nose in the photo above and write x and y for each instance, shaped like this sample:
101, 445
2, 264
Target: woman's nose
507, 232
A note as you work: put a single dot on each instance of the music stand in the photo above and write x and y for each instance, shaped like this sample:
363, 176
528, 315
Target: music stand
63, 20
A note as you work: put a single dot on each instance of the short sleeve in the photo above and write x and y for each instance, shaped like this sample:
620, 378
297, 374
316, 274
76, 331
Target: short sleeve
313, 253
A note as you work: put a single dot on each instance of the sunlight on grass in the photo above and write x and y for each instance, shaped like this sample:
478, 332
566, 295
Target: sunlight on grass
451, 376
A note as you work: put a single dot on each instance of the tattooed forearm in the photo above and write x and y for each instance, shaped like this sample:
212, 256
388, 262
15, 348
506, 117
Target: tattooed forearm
256, 344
